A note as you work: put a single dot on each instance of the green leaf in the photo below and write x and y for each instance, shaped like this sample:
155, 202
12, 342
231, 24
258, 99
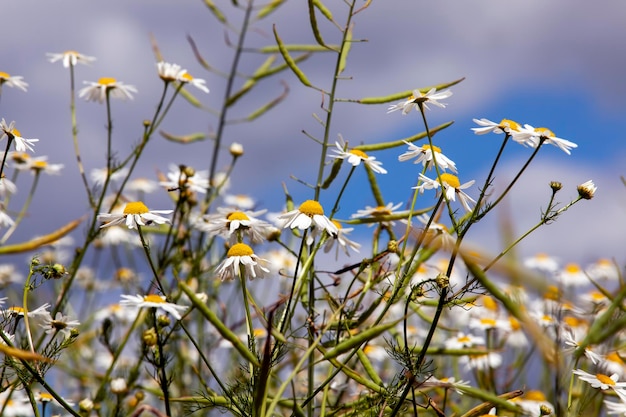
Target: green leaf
396, 143
274, 4
289, 60
359, 339
216, 12
343, 58
193, 137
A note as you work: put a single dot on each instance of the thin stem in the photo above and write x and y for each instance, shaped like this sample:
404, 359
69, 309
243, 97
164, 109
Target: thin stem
161, 364
146, 248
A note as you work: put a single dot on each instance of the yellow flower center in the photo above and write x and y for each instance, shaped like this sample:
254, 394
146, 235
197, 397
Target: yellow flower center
337, 224
464, 339
534, 395
572, 268
488, 322
153, 298
16, 133
358, 153
510, 124
489, 303
39, 164
240, 249
17, 310
4, 75
20, 157
381, 211
237, 215
187, 77
135, 207
451, 180
107, 81
605, 379
552, 293
311, 208
597, 296
45, 397
515, 324
614, 357
432, 148
544, 132
572, 322
604, 263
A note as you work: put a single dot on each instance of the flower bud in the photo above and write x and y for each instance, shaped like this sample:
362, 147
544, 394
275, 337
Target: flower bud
587, 190
236, 150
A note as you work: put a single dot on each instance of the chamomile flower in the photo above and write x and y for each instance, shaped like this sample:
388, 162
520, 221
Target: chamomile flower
427, 155
141, 186
462, 341
341, 241
540, 135
170, 72
185, 177
60, 324
199, 83
542, 262
602, 269
152, 301
482, 362
41, 164
452, 188
617, 408
534, 404
70, 58
21, 144
241, 255
572, 344
97, 91
7, 187
230, 224
355, 157
587, 190
99, 175
604, 382
135, 214
5, 219
572, 275
417, 98
309, 214
40, 314
241, 201
12, 81
377, 214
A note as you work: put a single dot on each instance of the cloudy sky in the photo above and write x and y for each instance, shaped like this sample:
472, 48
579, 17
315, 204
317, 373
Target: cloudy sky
558, 64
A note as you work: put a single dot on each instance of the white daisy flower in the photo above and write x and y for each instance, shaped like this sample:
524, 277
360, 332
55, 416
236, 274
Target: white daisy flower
241, 201
181, 176
199, 83
238, 255
432, 96
377, 213
135, 214
230, 223
572, 275
170, 72
40, 314
601, 269
141, 185
355, 157
542, 262
70, 58
21, 144
604, 382
427, 154
5, 219
452, 188
152, 301
12, 81
341, 240
309, 214
540, 135
41, 165
463, 341
482, 362
587, 190
99, 175
60, 324
97, 91
7, 187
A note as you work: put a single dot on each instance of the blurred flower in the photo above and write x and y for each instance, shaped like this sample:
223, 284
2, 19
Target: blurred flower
99, 175
199, 83
135, 213
355, 157
113, 236
41, 164
241, 201
152, 301
432, 96
170, 72
184, 177
40, 314
462, 340
377, 212
60, 324
427, 154
97, 91
70, 58
21, 144
7, 187
238, 255
12, 81
341, 241
141, 185
482, 362
15, 403
572, 275
451, 186
587, 190
5, 219
532, 401
118, 386
604, 382
309, 214
570, 341
603, 269
542, 262
236, 149
9, 274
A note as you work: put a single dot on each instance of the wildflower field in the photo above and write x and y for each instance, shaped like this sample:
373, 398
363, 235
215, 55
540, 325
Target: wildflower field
171, 295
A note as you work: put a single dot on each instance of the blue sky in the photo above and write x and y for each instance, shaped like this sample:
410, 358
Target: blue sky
525, 60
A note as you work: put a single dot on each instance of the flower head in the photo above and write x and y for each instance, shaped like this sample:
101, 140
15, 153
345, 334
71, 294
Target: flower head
418, 98
60, 324
427, 155
97, 91
241, 255
21, 144
70, 58
540, 135
229, 224
377, 214
356, 156
587, 190
184, 177
341, 240
601, 381
152, 301
451, 186
309, 214
135, 213
12, 81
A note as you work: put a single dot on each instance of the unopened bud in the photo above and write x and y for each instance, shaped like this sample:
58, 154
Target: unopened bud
236, 149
